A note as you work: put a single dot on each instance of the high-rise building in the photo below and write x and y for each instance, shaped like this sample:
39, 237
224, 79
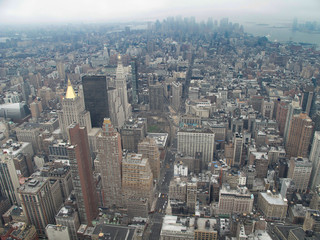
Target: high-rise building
134, 81
61, 71
300, 171
121, 86
149, 149
82, 174
192, 141
237, 149
315, 159
299, 136
68, 217
132, 133
137, 178
9, 180
38, 203
309, 97
191, 196
156, 98
73, 111
116, 111
96, 98
281, 115
176, 95
109, 164
294, 108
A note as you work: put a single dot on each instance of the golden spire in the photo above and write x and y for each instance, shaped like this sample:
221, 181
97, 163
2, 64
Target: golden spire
70, 92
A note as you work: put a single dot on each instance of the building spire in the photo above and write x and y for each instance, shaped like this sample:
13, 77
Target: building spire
70, 94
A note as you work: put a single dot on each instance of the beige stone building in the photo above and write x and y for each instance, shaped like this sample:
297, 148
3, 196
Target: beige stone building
137, 178
149, 149
272, 205
235, 201
300, 172
109, 164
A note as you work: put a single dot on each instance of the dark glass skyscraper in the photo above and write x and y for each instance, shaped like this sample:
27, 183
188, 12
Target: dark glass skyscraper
96, 98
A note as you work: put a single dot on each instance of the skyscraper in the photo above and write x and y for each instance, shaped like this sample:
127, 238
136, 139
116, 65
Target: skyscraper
197, 140
315, 159
96, 98
73, 111
137, 178
37, 203
156, 98
109, 164
134, 81
82, 174
176, 95
294, 108
299, 136
121, 86
9, 181
116, 111
149, 149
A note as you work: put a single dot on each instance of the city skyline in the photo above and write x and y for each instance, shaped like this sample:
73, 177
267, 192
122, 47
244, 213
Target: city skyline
37, 11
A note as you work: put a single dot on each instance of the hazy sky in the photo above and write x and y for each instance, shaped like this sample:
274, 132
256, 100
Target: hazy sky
47, 11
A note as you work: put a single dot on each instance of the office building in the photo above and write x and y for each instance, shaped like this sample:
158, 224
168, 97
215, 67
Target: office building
82, 174
149, 149
116, 110
299, 136
272, 205
237, 149
315, 159
309, 96
293, 109
37, 202
235, 201
132, 133
57, 232
96, 98
176, 95
9, 180
121, 86
191, 141
73, 111
14, 111
109, 164
177, 228
137, 178
156, 97
134, 80
68, 217
312, 221
191, 197
281, 115
300, 172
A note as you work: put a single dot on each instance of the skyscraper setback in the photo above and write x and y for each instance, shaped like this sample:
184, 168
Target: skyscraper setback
109, 164
82, 174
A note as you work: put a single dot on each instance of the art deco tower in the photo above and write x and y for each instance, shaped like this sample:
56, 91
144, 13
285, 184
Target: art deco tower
121, 86
73, 111
82, 174
109, 164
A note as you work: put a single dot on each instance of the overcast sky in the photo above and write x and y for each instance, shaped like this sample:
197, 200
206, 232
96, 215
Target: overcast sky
88, 11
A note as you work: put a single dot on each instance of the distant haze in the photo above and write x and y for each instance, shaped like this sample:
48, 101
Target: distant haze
92, 11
